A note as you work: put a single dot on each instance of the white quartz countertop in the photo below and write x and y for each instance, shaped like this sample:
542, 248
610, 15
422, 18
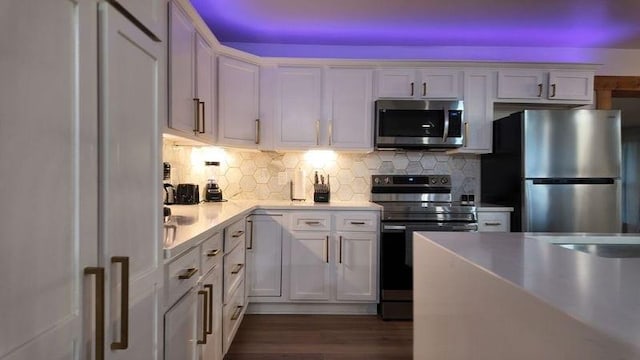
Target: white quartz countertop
603, 293
191, 224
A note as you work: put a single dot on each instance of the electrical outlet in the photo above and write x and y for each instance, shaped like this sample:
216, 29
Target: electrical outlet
283, 178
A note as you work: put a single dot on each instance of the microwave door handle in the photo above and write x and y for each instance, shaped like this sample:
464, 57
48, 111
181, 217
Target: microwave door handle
446, 125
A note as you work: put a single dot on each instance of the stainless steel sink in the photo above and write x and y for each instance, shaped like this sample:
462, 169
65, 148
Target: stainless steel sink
606, 250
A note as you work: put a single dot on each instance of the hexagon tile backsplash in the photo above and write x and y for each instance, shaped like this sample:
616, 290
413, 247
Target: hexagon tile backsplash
267, 175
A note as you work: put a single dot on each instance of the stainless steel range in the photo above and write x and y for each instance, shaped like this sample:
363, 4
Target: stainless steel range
411, 203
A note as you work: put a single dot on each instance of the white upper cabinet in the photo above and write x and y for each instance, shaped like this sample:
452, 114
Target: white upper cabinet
320, 107
299, 109
192, 78
238, 103
150, 13
545, 86
427, 83
478, 111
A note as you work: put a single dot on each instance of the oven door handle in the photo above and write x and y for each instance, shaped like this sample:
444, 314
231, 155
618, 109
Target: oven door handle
393, 228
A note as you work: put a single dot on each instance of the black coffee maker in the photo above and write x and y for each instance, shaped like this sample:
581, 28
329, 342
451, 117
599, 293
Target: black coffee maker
169, 190
212, 190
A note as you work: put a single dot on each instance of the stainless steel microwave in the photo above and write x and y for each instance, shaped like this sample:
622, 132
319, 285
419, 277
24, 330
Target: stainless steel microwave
419, 124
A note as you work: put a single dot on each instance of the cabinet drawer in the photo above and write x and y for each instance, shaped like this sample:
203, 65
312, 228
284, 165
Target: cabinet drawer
181, 275
232, 314
233, 234
494, 221
234, 263
211, 252
311, 221
356, 221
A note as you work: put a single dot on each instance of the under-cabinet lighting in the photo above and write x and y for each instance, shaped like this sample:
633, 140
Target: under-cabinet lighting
318, 159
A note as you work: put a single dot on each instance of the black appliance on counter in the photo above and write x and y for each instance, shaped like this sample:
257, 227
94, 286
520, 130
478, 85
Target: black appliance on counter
411, 203
187, 194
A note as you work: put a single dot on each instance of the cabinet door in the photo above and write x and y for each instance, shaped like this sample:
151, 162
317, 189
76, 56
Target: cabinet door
309, 269
238, 117
48, 132
349, 101
571, 85
299, 107
478, 111
356, 266
180, 332
151, 13
521, 84
181, 70
264, 254
397, 83
205, 87
131, 95
439, 83
212, 285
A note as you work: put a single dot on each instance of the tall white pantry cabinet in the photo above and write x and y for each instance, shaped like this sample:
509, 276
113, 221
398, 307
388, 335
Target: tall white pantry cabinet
80, 108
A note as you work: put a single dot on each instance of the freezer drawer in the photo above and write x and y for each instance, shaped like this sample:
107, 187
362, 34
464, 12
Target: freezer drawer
566, 207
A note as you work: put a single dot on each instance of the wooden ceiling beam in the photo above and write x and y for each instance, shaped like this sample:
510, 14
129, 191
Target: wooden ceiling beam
607, 87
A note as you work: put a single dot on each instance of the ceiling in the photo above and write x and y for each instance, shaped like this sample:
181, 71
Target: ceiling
521, 23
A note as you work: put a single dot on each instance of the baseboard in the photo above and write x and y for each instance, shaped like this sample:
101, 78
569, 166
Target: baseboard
313, 308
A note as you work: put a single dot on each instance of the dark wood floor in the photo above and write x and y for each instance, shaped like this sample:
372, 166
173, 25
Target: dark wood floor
321, 337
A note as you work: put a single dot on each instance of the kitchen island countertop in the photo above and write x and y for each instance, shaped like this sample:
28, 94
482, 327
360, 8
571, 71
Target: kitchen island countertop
601, 293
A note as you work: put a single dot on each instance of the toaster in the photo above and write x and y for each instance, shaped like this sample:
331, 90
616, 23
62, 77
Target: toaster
187, 194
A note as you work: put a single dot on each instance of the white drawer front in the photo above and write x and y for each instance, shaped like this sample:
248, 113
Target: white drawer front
356, 221
232, 314
181, 275
311, 220
494, 221
211, 252
234, 263
233, 234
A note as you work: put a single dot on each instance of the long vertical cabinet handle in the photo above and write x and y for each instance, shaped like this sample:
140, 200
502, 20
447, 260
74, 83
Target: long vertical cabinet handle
553, 90
465, 139
330, 132
257, 131
539, 90
340, 250
99, 294
326, 249
250, 246
317, 132
196, 115
412, 85
201, 130
210, 325
205, 309
424, 88
124, 303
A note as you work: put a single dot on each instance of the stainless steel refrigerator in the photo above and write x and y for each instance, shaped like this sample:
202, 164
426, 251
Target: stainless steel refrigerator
559, 169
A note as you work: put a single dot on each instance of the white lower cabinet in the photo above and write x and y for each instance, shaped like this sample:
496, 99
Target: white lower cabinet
356, 273
232, 314
309, 269
211, 316
180, 328
494, 221
264, 256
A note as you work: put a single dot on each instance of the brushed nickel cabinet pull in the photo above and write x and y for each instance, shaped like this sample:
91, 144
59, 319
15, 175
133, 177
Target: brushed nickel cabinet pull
257, 131
188, 274
196, 114
330, 132
213, 253
124, 303
340, 251
237, 234
317, 132
465, 139
99, 308
553, 90
312, 222
424, 88
236, 314
209, 287
326, 248
237, 269
201, 130
539, 90
204, 318
412, 84
357, 222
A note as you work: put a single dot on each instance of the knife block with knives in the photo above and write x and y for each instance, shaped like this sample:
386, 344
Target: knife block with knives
321, 191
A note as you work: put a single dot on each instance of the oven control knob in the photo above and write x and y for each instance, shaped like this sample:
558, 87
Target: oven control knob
387, 180
444, 180
377, 180
434, 181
